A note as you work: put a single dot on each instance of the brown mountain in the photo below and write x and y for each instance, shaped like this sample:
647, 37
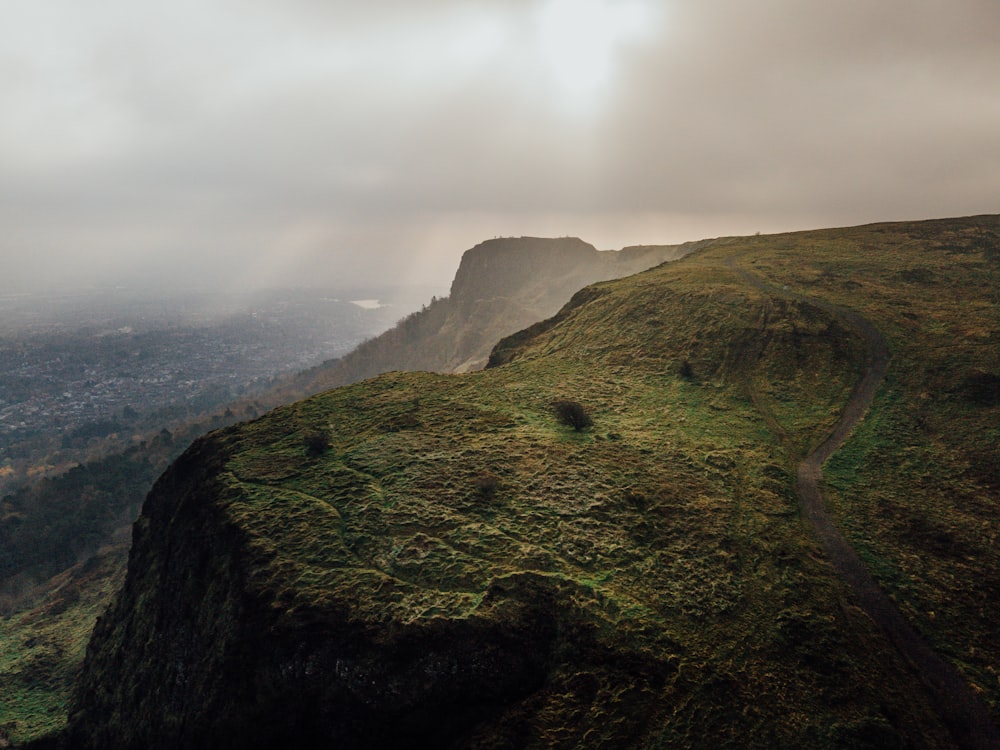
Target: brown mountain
501, 286
778, 529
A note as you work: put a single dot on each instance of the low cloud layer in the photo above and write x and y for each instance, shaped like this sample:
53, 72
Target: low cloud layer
264, 143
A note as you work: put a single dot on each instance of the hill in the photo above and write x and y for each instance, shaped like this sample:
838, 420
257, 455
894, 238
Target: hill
501, 286
436, 560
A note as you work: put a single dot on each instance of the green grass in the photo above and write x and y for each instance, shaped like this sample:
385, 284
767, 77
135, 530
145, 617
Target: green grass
691, 606
675, 509
42, 646
916, 488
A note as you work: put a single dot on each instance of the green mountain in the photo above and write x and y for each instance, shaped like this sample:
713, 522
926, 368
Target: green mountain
501, 286
424, 560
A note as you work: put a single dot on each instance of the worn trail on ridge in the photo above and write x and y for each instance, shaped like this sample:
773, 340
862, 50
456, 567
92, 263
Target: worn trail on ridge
966, 717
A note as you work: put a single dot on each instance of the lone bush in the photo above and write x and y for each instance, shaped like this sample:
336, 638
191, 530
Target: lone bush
486, 486
572, 414
982, 388
316, 443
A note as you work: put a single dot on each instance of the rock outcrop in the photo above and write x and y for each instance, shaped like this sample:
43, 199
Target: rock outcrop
501, 286
430, 560
192, 638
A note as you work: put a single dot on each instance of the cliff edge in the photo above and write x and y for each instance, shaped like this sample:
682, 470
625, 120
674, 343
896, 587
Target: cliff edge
428, 560
501, 286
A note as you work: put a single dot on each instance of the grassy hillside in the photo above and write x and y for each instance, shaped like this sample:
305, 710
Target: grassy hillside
917, 488
501, 286
437, 558
48, 600
42, 645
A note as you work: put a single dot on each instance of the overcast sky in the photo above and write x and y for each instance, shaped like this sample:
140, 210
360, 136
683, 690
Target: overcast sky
276, 142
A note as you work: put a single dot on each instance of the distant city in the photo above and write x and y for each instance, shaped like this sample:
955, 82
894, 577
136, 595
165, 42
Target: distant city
78, 368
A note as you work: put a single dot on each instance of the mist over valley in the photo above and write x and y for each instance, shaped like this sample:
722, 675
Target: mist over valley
81, 372
690, 453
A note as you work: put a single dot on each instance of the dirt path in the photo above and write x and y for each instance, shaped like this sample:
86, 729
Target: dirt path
962, 712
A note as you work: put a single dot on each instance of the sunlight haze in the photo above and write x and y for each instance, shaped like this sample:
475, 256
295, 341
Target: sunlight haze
265, 144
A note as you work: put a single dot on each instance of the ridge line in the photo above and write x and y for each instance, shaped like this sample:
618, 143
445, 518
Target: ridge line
962, 712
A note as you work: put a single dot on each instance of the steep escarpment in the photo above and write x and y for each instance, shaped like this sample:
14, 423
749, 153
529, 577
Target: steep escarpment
225, 661
501, 286
527, 279
227, 636
435, 560
542, 273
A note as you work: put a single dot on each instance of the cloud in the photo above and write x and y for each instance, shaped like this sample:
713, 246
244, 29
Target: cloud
263, 142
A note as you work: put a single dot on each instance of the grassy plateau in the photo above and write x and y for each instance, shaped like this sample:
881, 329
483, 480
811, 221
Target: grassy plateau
654, 565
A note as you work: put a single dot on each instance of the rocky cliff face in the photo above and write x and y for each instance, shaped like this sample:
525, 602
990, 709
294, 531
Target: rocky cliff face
196, 653
501, 286
424, 560
530, 269
218, 638
544, 273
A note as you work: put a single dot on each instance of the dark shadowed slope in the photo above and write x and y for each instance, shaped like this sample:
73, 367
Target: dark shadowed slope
501, 286
430, 560
961, 709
